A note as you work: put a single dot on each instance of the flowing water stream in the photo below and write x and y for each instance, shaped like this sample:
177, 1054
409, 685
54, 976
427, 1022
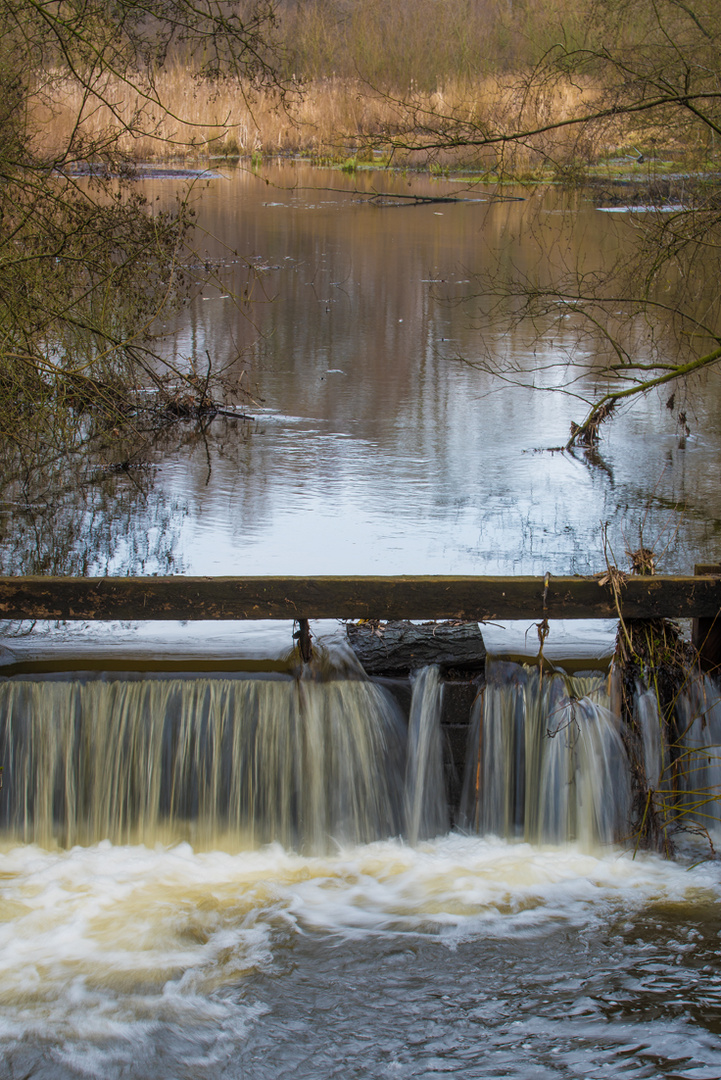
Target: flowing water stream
251, 875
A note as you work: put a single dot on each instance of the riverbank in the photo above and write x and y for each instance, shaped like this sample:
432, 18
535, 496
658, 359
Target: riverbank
348, 123
339, 120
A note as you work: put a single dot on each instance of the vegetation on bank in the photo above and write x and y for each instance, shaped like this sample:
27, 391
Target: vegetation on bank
527, 89
648, 319
87, 265
333, 120
407, 81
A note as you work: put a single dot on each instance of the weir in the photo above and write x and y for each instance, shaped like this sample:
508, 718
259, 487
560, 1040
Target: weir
330, 758
330, 755
476, 598
548, 763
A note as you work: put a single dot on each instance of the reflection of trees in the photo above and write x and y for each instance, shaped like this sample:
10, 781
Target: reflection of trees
649, 74
338, 300
83, 513
406, 417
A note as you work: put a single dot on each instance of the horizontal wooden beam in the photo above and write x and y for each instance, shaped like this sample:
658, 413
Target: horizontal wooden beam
468, 598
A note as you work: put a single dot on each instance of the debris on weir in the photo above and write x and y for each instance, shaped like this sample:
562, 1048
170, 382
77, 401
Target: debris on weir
400, 647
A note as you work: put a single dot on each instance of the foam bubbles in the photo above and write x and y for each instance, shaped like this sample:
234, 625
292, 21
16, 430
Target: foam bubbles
117, 922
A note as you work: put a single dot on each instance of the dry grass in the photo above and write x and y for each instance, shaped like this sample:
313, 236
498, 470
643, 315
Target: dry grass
330, 117
424, 79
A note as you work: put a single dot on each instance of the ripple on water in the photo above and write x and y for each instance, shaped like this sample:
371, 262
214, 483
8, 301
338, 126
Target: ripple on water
462, 956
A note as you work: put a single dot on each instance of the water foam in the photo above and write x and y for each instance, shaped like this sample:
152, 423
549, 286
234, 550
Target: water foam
134, 920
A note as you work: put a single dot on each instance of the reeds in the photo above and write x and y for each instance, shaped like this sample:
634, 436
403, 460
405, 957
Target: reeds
334, 118
371, 77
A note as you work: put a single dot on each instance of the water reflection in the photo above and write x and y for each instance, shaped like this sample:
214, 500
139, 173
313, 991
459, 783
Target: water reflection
378, 450
93, 512
373, 448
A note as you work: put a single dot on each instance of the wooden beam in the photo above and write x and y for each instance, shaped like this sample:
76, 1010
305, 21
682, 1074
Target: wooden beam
467, 598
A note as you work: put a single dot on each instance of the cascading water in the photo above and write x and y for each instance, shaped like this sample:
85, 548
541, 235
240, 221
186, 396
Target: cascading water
678, 759
426, 802
653, 744
242, 762
546, 761
217, 761
699, 764
323, 952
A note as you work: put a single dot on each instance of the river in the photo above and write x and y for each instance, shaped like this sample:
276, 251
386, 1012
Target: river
372, 447
159, 951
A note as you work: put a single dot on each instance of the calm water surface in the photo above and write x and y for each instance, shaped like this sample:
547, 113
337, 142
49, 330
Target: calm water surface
372, 447
376, 449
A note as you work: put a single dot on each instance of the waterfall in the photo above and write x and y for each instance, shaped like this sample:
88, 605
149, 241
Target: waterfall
683, 766
426, 803
699, 710
653, 744
220, 761
215, 761
326, 758
546, 762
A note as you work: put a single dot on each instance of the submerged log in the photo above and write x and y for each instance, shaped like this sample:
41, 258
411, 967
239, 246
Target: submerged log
397, 648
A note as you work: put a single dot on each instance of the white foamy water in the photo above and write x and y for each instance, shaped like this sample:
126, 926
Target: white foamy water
465, 954
107, 949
